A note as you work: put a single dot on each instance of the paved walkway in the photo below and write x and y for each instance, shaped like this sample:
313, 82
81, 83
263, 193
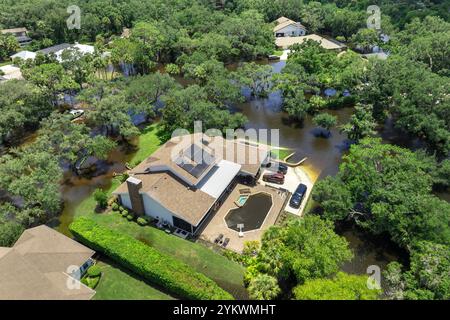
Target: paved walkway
284, 56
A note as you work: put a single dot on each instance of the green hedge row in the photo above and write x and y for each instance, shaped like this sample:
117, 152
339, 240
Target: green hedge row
175, 276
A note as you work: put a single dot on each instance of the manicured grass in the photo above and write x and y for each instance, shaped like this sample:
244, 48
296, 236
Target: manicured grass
149, 142
225, 273
281, 153
118, 283
278, 53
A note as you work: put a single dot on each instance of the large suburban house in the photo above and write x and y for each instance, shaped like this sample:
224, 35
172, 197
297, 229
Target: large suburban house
41, 266
288, 28
326, 43
21, 35
55, 50
60, 48
188, 177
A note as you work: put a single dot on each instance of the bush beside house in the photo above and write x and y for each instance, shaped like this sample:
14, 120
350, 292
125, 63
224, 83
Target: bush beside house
147, 262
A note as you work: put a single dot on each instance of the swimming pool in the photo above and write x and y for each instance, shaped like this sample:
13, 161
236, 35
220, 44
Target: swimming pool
252, 214
242, 200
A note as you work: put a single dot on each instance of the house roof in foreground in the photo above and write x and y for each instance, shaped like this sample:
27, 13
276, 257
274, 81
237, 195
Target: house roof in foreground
35, 267
188, 198
329, 44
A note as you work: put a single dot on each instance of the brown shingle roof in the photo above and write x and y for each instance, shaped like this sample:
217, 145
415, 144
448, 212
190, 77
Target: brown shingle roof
35, 267
329, 44
283, 22
182, 198
14, 30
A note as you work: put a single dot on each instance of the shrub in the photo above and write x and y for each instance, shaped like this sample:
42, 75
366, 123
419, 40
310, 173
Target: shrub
94, 271
9, 233
115, 206
147, 262
124, 213
142, 221
93, 282
130, 217
121, 209
101, 197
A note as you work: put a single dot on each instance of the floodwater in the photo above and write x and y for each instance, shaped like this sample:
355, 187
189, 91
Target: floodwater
324, 156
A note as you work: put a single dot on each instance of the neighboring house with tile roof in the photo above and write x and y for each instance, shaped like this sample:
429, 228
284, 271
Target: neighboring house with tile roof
21, 35
326, 43
43, 265
186, 179
285, 27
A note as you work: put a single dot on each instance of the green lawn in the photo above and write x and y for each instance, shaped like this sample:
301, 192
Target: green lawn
281, 153
226, 273
149, 142
118, 283
278, 53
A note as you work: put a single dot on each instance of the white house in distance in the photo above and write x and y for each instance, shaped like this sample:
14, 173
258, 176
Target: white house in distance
175, 188
288, 28
24, 55
59, 49
56, 50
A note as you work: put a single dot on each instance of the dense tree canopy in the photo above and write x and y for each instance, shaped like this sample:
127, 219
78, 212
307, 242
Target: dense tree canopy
385, 188
303, 249
341, 287
427, 278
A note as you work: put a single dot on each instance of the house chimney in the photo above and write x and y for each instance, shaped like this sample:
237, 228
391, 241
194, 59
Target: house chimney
137, 204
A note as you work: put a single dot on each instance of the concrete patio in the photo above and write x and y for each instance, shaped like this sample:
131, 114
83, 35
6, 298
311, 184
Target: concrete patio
217, 225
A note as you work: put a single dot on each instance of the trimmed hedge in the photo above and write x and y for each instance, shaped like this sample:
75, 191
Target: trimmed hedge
94, 271
161, 269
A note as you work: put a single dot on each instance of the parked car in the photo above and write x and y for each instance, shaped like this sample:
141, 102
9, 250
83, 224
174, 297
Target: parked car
76, 113
274, 178
282, 168
297, 196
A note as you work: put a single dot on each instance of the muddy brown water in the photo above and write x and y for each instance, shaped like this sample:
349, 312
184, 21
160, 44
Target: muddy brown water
324, 157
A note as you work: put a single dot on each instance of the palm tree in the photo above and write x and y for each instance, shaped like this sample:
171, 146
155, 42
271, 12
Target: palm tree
263, 287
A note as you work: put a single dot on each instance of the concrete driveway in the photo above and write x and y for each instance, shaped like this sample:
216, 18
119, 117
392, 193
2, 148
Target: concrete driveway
292, 179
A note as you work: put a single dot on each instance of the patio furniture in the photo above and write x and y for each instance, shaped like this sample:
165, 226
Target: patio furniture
225, 242
245, 191
218, 239
240, 227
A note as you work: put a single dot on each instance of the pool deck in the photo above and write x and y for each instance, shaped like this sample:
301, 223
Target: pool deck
217, 224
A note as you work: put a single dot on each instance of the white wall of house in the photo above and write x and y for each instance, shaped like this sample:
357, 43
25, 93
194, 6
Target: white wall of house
156, 210
292, 31
125, 200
